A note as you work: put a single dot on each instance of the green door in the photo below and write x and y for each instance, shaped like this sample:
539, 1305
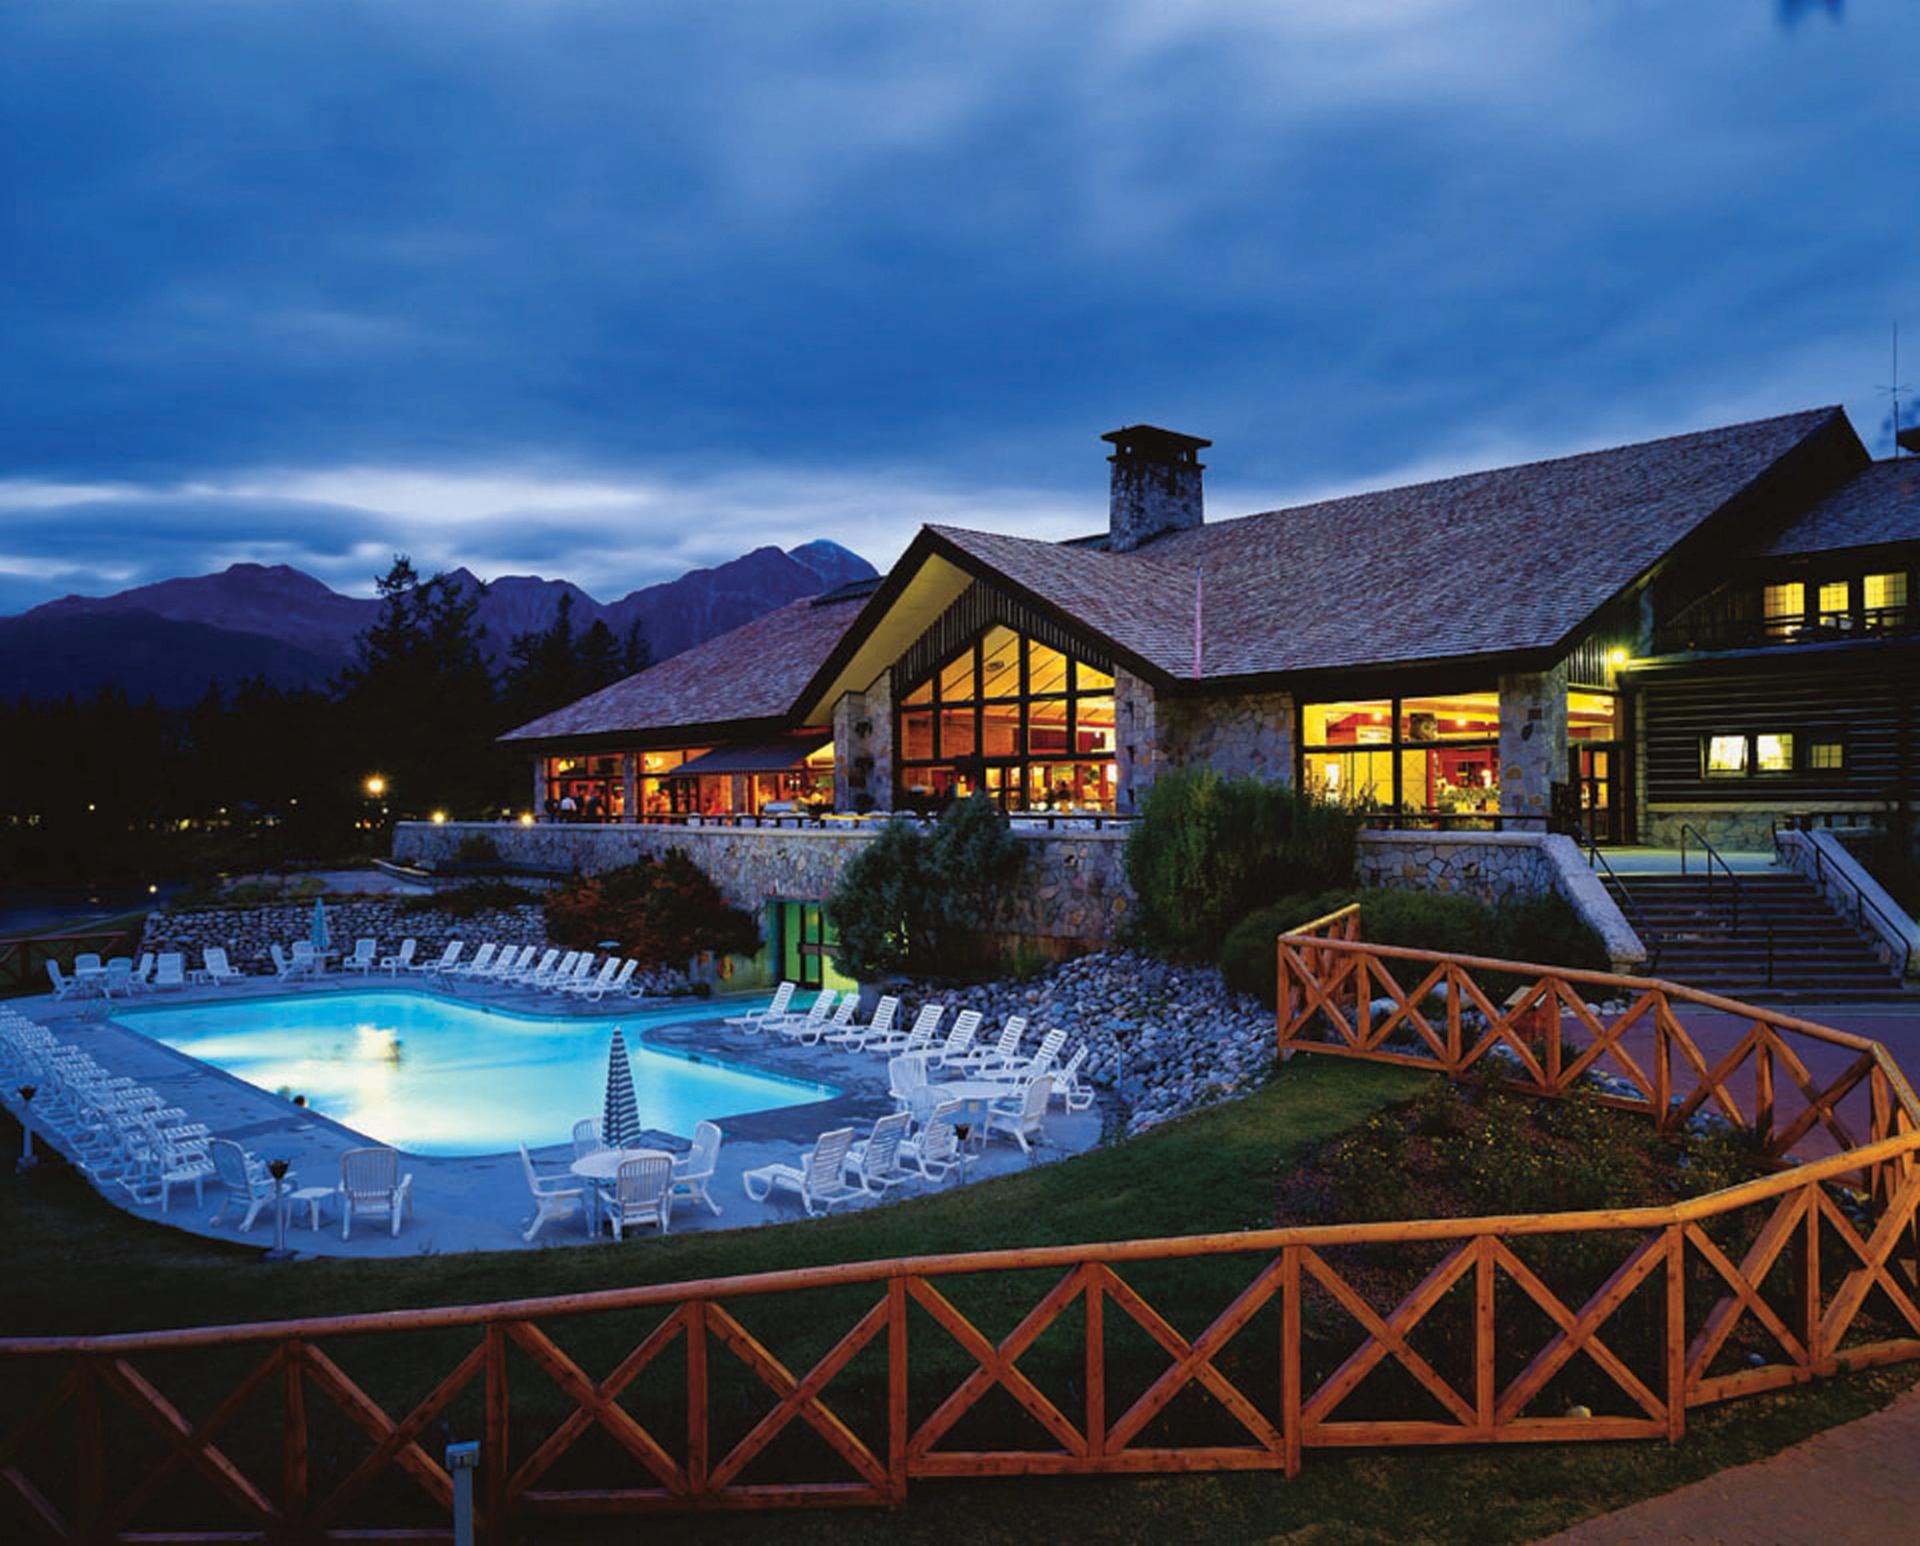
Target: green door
806, 946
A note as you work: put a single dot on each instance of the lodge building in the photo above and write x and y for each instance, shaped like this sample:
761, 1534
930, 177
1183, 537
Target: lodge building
1715, 629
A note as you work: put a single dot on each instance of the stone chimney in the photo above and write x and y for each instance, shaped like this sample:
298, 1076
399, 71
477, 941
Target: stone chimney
1156, 484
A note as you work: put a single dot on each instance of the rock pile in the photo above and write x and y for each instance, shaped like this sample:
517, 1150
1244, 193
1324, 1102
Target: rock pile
1161, 1039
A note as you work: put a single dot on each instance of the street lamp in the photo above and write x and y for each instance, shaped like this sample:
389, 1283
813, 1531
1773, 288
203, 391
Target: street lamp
375, 785
277, 1167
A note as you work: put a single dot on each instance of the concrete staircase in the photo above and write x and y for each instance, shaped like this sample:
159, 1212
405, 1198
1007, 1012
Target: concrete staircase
1816, 953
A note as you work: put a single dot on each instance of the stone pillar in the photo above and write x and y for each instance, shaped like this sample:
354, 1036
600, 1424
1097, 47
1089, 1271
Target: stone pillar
1136, 740
1533, 740
863, 748
630, 786
539, 788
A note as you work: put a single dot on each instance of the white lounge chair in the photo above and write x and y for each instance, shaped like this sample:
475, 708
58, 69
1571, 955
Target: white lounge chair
756, 1019
1023, 1118
446, 961
819, 1012
601, 988
579, 977
1002, 1053
481, 961
640, 1192
926, 1025
220, 970
171, 970
959, 1043
936, 1151
693, 1171
875, 1160
1074, 1095
1040, 1063
539, 973
371, 1183
365, 953
854, 1037
549, 972
246, 1179
808, 1031
553, 1196
820, 1179
593, 987
401, 960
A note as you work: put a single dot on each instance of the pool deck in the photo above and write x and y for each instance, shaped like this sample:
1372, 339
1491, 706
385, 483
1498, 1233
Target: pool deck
480, 1203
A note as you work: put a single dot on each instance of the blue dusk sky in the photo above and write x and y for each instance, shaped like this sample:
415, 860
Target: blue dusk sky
603, 291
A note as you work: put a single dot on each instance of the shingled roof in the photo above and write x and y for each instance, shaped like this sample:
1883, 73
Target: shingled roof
1880, 505
1506, 561
750, 674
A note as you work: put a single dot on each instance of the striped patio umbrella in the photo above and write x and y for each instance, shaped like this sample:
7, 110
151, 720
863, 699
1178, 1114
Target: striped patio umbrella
620, 1124
322, 939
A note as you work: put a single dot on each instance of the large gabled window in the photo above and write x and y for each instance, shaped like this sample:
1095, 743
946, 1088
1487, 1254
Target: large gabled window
1030, 725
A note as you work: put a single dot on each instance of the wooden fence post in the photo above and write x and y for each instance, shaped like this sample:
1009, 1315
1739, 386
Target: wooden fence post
897, 1389
1676, 1337
494, 1458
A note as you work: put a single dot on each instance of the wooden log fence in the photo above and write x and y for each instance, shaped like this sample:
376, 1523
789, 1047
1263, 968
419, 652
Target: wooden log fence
1807, 1287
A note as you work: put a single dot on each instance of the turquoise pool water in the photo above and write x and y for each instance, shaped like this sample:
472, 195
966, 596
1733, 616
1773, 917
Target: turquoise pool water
439, 1077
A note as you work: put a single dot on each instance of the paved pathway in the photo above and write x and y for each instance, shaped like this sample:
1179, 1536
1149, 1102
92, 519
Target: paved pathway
1850, 1486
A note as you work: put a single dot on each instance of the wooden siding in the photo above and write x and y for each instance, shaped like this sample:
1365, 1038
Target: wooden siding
978, 608
1864, 699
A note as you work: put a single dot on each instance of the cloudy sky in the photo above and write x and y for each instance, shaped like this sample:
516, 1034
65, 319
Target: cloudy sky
606, 290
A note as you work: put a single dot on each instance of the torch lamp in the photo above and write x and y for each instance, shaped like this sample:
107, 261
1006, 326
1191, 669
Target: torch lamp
277, 1168
27, 1158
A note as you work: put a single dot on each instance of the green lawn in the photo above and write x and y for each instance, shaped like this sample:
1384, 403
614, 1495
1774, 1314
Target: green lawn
78, 1265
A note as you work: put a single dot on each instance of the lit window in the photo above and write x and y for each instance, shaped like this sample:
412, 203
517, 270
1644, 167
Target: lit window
1785, 606
1726, 756
1827, 756
1886, 592
1833, 601
1773, 753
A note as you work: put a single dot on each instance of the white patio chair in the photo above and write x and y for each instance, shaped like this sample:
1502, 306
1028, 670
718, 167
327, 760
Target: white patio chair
365, 953
819, 1179
62, 984
171, 970
693, 1171
371, 1183
143, 973
906, 1077
246, 1179
118, 981
640, 1191
936, 1151
1023, 1118
401, 960
86, 964
220, 970
553, 1196
586, 1138
446, 961
756, 1019
875, 1160
854, 1037
306, 960
959, 1043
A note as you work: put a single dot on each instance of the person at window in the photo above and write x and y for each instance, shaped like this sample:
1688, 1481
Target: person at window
553, 809
568, 810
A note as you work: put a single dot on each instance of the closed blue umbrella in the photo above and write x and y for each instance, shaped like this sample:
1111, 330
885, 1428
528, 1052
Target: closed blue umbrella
322, 940
620, 1123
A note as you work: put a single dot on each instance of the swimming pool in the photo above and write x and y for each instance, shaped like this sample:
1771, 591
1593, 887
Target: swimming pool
437, 1077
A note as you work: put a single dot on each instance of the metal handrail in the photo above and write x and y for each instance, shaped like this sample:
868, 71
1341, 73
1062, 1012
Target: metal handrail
1649, 935
1714, 856
1862, 903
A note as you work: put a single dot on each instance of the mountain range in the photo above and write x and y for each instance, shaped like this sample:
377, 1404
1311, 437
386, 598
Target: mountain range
169, 640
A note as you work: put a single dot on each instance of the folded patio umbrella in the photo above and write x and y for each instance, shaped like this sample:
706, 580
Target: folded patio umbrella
620, 1124
322, 940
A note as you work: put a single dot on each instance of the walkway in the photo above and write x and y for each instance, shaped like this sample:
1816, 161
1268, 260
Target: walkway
1849, 1486
480, 1202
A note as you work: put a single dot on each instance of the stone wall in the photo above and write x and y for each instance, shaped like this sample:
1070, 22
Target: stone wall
1073, 897
1238, 735
1497, 868
1533, 740
1746, 827
248, 932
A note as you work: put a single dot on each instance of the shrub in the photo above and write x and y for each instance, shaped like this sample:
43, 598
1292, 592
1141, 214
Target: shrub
465, 901
1247, 961
661, 911
477, 848
1208, 850
1549, 930
1368, 1169
901, 898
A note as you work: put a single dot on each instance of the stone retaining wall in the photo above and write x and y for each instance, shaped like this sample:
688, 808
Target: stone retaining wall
248, 932
1072, 897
